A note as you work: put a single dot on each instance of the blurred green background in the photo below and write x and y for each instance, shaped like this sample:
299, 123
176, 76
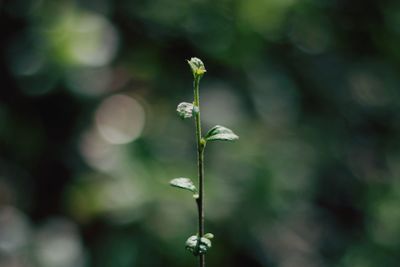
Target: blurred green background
89, 136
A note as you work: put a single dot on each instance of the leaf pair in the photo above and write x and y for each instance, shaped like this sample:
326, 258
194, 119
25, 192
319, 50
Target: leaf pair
198, 245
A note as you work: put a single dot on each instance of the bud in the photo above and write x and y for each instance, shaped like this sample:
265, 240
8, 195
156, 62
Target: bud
197, 66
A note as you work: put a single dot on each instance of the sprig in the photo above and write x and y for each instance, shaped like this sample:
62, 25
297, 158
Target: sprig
200, 243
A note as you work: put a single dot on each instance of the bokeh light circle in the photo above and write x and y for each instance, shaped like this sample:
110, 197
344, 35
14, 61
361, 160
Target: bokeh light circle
120, 119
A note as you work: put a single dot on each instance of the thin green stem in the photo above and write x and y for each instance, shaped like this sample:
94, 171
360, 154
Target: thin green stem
200, 165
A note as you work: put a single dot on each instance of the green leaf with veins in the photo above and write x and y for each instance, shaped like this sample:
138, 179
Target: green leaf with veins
184, 183
220, 133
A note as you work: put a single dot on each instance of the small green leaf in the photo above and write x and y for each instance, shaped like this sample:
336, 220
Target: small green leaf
184, 183
186, 110
191, 243
220, 133
205, 244
209, 236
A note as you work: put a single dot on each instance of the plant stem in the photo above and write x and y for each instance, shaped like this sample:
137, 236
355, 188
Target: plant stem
200, 165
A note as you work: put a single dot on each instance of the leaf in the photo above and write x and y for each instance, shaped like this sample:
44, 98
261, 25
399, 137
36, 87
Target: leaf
220, 133
205, 244
191, 242
209, 236
184, 183
186, 110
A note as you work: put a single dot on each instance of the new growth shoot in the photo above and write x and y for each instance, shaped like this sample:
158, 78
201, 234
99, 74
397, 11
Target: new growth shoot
199, 243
